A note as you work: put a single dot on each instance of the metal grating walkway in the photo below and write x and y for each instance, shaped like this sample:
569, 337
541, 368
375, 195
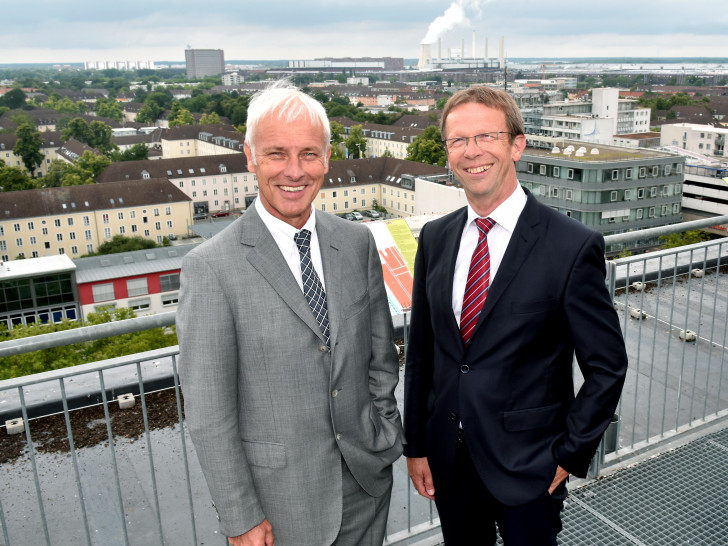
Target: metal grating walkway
679, 497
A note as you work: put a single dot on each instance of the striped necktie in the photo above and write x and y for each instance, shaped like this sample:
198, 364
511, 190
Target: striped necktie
476, 288
313, 290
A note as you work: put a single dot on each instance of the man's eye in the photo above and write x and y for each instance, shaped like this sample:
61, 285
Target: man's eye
487, 137
310, 156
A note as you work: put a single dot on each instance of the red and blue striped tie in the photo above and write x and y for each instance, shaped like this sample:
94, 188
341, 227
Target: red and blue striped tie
476, 288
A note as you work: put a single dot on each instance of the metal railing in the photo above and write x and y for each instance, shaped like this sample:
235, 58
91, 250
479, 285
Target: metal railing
105, 494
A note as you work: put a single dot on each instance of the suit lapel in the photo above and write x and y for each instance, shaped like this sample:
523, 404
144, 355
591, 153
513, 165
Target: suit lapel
525, 236
333, 271
450, 246
266, 258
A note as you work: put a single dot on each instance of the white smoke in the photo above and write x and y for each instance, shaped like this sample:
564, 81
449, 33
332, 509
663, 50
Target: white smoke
454, 16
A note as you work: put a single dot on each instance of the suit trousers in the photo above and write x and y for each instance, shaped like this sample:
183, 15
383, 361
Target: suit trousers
363, 518
469, 513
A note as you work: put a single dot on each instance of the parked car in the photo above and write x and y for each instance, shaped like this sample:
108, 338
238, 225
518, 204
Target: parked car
220, 213
357, 216
349, 216
372, 214
199, 216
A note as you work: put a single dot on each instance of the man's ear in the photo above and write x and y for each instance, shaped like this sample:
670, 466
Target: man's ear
251, 159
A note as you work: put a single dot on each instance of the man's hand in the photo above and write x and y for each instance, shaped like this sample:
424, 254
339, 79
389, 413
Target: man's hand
561, 475
419, 471
260, 535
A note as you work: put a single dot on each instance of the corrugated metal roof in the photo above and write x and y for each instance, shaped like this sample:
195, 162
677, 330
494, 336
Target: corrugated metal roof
130, 264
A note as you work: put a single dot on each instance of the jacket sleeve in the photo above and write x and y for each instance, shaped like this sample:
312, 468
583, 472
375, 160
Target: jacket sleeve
419, 362
209, 379
600, 353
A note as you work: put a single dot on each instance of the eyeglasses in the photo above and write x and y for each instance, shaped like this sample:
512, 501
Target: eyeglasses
481, 141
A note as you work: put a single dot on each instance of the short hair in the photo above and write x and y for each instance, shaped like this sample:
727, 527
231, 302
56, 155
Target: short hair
288, 103
492, 98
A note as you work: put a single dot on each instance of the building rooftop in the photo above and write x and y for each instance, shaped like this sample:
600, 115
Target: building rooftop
130, 264
604, 153
35, 266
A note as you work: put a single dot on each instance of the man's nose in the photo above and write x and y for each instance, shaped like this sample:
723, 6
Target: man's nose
471, 148
293, 168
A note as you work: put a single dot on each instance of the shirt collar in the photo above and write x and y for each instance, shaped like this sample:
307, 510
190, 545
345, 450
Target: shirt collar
507, 213
276, 225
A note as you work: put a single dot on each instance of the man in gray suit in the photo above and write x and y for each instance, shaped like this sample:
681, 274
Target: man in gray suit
287, 360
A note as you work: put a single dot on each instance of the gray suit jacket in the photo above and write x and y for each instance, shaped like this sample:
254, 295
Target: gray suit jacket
270, 409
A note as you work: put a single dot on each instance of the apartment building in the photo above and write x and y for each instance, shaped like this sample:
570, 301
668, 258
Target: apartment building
211, 182
51, 144
384, 138
358, 184
706, 140
596, 121
198, 140
610, 189
75, 220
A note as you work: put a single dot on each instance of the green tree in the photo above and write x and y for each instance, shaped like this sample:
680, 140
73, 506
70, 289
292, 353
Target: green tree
179, 115
15, 98
210, 119
64, 105
674, 240
28, 147
428, 148
120, 243
14, 179
149, 113
356, 142
97, 135
135, 153
109, 108
84, 171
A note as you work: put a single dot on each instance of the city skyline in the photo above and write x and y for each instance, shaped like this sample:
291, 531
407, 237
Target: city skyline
89, 31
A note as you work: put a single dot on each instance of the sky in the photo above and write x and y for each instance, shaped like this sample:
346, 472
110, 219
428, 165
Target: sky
49, 31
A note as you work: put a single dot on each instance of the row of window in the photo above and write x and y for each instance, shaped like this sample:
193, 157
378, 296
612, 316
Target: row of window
363, 204
610, 174
134, 287
628, 194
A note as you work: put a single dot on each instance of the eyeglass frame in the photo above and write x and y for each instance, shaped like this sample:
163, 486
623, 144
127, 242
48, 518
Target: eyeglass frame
475, 139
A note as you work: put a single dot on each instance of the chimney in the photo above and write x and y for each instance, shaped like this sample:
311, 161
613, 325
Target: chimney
425, 55
474, 54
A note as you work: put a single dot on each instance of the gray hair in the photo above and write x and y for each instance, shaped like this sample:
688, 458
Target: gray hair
288, 103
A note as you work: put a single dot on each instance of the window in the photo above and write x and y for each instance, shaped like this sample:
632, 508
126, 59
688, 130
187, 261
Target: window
554, 192
323, 207
643, 172
61, 250
676, 208
652, 212
655, 170
627, 195
529, 168
33, 241
59, 236
87, 234
542, 170
19, 242
86, 221
89, 248
3, 246
169, 282
667, 170
336, 207
157, 225
556, 172
653, 191
141, 304
170, 299
333, 193
156, 212
134, 228
641, 193
120, 215
122, 230
107, 233
615, 176
146, 233
628, 174
137, 287
169, 224
570, 174
640, 212
132, 214
16, 227
74, 250
31, 225
663, 211
105, 218
44, 231
70, 221
346, 204
103, 292
613, 196
168, 211
568, 195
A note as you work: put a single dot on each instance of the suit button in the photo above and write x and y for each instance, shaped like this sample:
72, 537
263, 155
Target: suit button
323, 349
334, 393
454, 416
338, 436
465, 368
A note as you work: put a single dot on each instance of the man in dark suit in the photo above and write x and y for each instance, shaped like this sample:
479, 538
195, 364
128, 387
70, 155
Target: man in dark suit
506, 291
287, 358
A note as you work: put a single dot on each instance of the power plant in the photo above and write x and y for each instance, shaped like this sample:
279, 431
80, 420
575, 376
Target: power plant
456, 58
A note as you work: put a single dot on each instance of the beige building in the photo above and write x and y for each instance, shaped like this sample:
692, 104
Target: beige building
198, 140
384, 138
705, 140
356, 184
75, 220
51, 143
212, 182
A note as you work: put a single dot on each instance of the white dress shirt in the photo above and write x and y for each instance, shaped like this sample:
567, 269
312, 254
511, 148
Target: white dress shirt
283, 234
505, 217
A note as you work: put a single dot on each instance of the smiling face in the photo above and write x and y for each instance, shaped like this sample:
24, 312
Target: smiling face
487, 172
290, 162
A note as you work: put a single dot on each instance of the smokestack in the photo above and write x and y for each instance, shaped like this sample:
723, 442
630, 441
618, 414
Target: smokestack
425, 55
439, 48
462, 48
501, 52
475, 55
486, 49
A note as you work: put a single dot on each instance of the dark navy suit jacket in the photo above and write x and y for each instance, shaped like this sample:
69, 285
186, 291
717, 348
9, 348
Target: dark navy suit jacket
512, 388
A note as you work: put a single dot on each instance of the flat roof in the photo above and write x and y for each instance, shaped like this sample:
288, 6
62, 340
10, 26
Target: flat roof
33, 267
605, 152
